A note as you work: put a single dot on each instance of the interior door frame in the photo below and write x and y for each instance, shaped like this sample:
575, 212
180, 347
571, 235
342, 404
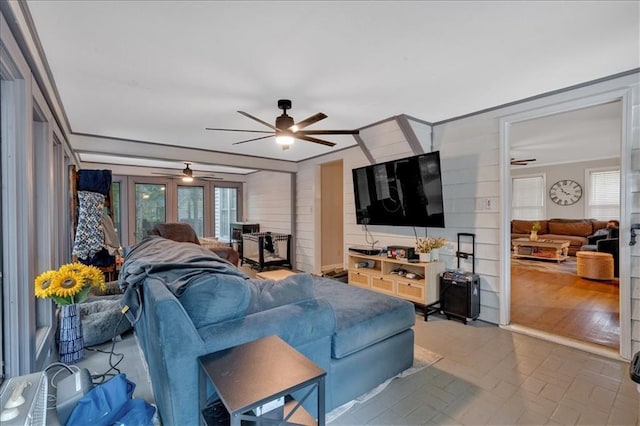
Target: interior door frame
624, 96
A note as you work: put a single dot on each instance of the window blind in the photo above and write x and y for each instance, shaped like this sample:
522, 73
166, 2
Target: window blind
604, 195
527, 198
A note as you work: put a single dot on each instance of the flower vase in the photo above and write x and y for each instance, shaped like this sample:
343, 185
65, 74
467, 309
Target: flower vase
435, 255
424, 257
533, 236
71, 344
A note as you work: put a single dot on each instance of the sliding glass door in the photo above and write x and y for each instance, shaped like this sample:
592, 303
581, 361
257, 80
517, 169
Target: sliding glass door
150, 208
225, 210
191, 207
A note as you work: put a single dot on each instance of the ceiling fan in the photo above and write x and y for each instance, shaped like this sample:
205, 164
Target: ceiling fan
521, 162
187, 174
286, 129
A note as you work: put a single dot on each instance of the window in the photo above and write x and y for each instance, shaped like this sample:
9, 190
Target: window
150, 202
115, 207
191, 207
603, 194
527, 197
225, 204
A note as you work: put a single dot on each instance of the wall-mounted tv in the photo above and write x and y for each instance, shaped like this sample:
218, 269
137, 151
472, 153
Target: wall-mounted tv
404, 192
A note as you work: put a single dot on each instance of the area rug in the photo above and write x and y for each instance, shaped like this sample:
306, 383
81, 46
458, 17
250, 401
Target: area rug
568, 266
422, 358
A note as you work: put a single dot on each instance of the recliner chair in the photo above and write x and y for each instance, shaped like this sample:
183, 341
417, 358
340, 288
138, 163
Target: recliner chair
610, 245
184, 233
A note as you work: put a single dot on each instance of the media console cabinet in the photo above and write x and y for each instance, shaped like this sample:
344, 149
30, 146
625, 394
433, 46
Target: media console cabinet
379, 277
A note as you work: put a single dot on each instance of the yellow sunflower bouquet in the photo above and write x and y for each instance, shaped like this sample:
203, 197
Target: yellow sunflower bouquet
70, 284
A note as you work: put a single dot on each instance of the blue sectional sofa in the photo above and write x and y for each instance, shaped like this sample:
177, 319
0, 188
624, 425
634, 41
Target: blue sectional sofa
186, 302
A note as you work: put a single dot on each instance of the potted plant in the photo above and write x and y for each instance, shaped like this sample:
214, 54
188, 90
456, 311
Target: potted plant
69, 286
534, 231
427, 248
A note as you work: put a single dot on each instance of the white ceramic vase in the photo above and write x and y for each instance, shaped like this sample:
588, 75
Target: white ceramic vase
424, 257
435, 255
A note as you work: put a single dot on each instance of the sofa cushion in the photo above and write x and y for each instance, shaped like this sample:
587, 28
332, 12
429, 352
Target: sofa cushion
375, 316
268, 294
212, 298
578, 228
524, 226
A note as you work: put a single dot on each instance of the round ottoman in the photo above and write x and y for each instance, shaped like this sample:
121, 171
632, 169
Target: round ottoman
595, 265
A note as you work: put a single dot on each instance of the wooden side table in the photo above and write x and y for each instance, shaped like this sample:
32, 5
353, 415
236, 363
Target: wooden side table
250, 375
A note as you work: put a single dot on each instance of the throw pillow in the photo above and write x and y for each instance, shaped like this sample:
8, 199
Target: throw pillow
269, 294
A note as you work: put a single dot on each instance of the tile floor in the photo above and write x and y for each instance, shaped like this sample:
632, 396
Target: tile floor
487, 376
496, 377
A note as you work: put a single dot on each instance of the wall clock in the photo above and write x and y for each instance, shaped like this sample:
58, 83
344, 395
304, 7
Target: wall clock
565, 192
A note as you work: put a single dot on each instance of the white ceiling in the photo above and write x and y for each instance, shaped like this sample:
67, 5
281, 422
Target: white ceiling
574, 136
162, 71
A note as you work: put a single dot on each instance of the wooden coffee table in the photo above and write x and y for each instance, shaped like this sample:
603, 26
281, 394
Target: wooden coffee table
541, 249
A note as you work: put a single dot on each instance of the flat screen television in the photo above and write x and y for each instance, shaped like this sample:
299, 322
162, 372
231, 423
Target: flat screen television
404, 192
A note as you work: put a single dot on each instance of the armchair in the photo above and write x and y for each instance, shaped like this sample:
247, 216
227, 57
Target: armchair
184, 233
610, 245
605, 241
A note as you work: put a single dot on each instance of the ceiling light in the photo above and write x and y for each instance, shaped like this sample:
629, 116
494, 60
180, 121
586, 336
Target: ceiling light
187, 179
284, 140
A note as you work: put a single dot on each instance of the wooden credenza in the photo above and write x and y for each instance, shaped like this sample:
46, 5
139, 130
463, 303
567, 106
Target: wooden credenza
379, 277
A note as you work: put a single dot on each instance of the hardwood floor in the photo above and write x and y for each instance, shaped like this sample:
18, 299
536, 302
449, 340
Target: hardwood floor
566, 305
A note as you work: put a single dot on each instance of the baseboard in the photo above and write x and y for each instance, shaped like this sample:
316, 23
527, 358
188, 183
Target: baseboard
326, 268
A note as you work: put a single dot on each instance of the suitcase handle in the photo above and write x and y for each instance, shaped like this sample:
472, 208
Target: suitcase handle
634, 368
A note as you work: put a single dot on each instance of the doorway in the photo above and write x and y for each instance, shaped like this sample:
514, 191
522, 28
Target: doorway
331, 216
559, 141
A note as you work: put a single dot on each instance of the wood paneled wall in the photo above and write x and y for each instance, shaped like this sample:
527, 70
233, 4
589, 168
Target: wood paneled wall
268, 201
470, 155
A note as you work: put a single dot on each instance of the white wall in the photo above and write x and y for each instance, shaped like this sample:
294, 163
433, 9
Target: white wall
574, 171
470, 151
268, 198
633, 185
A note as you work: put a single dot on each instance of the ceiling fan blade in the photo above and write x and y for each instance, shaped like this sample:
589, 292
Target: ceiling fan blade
329, 132
254, 139
523, 162
238, 130
271, 126
309, 121
315, 140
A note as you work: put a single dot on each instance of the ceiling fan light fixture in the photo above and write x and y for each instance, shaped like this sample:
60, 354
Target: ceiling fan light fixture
284, 140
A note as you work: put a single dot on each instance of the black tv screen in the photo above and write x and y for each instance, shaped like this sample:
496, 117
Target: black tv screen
404, 192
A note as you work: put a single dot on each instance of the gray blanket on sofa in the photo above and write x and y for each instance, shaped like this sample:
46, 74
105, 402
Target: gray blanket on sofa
169, 261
